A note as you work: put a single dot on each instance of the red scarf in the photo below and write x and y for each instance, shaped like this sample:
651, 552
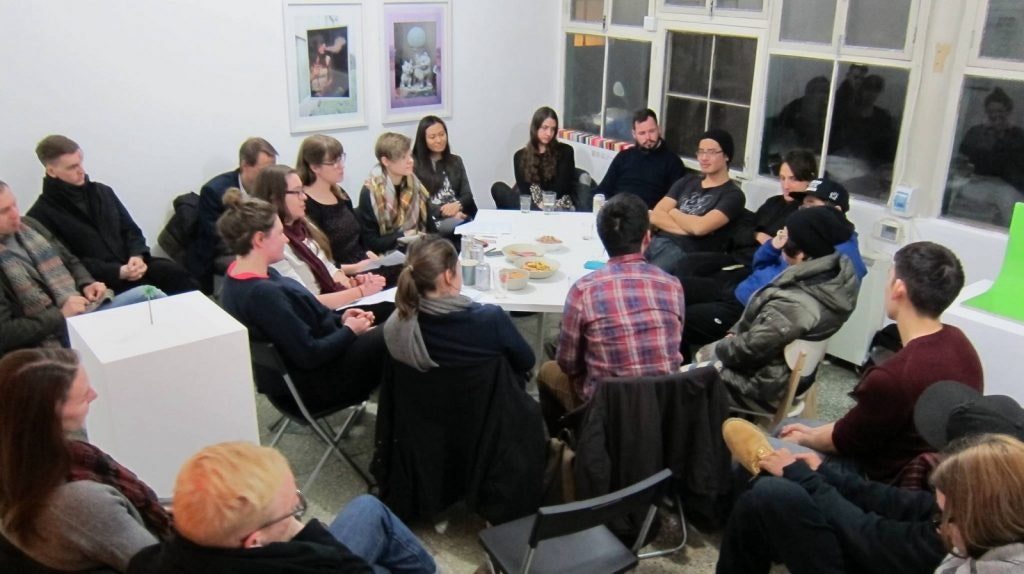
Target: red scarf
91, 463
297, 234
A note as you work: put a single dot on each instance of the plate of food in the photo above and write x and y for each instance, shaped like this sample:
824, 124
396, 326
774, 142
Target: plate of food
549, 240
517, 250
537, 267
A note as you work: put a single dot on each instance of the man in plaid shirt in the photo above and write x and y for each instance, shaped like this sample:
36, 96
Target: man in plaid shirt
624, 320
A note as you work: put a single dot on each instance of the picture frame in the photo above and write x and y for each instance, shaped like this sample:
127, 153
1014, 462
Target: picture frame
416, 59
324, 59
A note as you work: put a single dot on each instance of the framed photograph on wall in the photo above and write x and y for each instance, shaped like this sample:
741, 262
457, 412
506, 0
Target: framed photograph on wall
324, 58
417, 53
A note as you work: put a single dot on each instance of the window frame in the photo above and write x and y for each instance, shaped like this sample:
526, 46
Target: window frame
976, 33
711, 11
838, 48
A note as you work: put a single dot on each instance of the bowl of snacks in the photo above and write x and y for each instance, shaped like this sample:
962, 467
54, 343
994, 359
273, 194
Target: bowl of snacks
538, 267
518, 250
549, 240
514, 279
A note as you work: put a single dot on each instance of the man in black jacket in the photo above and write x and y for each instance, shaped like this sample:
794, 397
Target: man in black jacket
91, 221
236, 509
648, 169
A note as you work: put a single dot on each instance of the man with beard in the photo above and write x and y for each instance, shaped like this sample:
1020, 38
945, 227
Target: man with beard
648, 169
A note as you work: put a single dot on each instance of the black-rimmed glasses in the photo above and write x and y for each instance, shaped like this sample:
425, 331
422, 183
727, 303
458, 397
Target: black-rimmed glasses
297, 513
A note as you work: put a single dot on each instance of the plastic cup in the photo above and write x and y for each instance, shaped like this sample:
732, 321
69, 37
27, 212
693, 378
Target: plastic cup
469, 272
548, 202
524, 203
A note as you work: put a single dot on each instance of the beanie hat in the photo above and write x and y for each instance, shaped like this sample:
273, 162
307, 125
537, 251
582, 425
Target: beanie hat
817, 230
723, 138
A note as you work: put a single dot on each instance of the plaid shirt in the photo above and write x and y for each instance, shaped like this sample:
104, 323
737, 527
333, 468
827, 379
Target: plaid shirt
623, 320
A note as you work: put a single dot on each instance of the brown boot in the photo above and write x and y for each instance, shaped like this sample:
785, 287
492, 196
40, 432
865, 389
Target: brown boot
746, 442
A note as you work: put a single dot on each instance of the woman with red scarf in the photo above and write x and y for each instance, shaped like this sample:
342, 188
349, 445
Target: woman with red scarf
63, 502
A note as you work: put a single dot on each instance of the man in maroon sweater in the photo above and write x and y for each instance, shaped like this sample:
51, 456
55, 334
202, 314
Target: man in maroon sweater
878, 433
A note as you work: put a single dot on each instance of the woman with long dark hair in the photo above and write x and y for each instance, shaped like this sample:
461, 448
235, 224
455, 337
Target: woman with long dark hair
436, 326
544, 164
307, 259
63, 502
444, 175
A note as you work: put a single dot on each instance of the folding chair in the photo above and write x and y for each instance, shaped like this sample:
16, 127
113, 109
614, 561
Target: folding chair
572, 538
802, 357
266, 359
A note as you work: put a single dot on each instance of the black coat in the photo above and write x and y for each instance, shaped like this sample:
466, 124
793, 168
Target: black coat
207, 254
103, 236
468, 432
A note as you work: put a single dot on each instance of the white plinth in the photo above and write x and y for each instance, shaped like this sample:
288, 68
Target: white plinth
998, 340
167, 389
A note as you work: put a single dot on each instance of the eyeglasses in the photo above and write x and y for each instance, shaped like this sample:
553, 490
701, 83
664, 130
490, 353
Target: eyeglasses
338, 162
295, 192
707, 152
297, 513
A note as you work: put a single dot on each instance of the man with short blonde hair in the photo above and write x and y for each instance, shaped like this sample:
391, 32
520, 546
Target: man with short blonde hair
236, 509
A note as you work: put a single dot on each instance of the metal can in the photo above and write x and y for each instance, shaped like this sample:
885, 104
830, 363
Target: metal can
598, 202
483, 276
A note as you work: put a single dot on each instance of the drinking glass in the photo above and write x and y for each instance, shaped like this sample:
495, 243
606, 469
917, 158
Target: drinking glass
500, 283
549, 202
524, 203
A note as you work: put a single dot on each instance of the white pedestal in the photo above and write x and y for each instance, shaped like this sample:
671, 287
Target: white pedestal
998, 340
167, 389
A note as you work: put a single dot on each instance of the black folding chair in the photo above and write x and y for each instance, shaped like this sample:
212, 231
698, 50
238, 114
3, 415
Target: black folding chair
266, 361
572, 538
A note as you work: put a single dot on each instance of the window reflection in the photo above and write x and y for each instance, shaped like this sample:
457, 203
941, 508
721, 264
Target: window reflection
986, 172
796, 108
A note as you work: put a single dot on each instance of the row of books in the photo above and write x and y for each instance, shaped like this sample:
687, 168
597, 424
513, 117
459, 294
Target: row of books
593, 140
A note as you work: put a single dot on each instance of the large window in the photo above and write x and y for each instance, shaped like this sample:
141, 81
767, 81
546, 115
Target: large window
709, 79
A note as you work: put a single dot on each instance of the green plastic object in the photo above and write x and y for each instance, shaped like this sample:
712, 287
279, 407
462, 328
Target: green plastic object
1006, 296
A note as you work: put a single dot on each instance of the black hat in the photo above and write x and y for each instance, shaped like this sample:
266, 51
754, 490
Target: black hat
827, 190
723, 138
947, 411
817, 230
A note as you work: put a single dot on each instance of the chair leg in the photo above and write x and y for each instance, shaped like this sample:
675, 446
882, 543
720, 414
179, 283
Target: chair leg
331, 439
283, 422
682, 526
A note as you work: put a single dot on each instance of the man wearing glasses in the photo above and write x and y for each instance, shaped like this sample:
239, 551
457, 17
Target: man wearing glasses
207, 254
695, 214
236, 509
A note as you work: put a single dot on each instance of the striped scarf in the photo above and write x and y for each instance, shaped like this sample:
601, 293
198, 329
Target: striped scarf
398, 209
58, 284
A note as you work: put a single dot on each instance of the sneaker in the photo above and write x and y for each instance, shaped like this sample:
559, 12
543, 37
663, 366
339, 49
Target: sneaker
747, 443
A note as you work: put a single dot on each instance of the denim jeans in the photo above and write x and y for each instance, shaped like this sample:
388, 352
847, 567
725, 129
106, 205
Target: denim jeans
665, 254
133, 296
380, 538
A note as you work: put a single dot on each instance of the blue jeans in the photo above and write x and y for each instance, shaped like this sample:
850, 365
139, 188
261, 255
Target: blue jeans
665, 254
380, 538
133, 296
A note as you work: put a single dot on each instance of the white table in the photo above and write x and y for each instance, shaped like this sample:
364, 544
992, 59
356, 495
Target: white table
169, 388
504, 227
998, 340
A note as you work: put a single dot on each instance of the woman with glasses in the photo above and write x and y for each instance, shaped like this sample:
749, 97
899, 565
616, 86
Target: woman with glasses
393, 202
442, 172
698, 212
333, 359
63, 502
307, 259
980, 490
543, 164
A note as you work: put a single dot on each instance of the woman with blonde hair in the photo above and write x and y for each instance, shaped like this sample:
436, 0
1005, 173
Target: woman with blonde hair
980, 489
437, 326
307, 259
64, 502
393, 202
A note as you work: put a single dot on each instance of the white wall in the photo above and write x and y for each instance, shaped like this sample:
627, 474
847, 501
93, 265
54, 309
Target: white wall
160, 94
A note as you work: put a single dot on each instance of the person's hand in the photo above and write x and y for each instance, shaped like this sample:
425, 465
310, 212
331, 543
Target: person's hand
411, 232
461, 216
776, 461
94, 290
779, 241
75, 305
134, 269
357, 320
761, 237
369, 283
372, 256
812, 459
450, 209
794, 432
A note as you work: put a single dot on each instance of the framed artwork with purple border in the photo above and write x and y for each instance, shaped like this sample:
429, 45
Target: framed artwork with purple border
417, 55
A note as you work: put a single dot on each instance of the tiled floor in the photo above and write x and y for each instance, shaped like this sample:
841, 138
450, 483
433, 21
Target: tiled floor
456, 548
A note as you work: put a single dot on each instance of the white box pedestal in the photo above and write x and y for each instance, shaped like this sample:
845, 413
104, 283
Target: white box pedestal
166, 389
998, 340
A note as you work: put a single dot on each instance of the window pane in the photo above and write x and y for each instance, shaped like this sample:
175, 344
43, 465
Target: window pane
986, 172
691, 3
795, 108
808, 21
734, 69
755, 5
587, 11
629, 12
877, 23
689, 63
683, 123
629, 72
1004, 30
584, 67
732, 119
866, 127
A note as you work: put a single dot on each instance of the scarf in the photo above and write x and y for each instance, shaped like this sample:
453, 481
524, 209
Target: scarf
297, 234
397, 209
404, 338
90, 463
58, 283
